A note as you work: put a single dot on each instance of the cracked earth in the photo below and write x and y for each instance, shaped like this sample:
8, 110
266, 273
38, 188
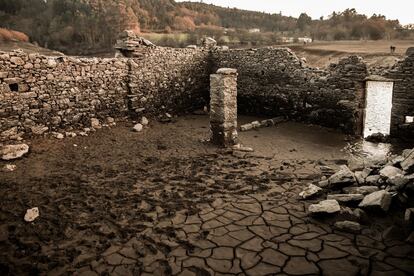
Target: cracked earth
163, 203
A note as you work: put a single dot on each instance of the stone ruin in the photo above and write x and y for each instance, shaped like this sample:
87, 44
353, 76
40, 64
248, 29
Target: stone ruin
41, 94
67, 96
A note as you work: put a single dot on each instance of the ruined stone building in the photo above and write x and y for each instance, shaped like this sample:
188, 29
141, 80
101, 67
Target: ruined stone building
55, 92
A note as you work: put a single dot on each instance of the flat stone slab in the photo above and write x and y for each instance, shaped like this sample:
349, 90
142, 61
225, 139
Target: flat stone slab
346, 197
329, 206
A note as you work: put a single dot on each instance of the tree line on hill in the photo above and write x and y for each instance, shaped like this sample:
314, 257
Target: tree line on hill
81, 26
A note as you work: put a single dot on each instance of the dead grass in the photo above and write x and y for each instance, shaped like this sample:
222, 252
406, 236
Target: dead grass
10, 35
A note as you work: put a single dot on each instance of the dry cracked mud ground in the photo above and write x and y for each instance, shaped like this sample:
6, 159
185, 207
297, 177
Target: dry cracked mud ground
162, 202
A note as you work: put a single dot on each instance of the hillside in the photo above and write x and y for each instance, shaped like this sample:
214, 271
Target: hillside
91, 26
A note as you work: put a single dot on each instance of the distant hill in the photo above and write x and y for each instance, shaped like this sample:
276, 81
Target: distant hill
87, 26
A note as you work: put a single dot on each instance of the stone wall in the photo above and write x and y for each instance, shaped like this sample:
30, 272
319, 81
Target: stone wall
403, 97
167, 79
60, 92
39, 92
274, 82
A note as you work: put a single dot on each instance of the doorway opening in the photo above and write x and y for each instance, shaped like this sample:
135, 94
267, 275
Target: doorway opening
378, 107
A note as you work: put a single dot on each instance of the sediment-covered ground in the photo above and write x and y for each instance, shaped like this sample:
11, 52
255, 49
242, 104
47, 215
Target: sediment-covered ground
162, 202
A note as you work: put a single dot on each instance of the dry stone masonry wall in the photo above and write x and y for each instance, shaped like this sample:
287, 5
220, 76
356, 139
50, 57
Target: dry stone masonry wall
40, 93
274, 82
403, 97
47, 93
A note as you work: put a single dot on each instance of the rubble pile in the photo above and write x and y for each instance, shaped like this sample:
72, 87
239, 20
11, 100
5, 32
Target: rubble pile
365, 187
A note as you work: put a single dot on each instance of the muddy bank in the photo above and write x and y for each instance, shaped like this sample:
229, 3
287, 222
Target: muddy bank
163, 202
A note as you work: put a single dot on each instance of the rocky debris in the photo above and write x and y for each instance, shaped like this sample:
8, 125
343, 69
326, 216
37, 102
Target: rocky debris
409, 215
240, 147
138, 127
345, 198
344, 177
110, 121
9, 133
144, 121
11, 152
372, 179
31, 214
39, 130
95, 123
9, 168
364, 190
70, 134
408, 163
310, 191
348, 226
390, 172
324, 207
58, 135
377, 200
263, 123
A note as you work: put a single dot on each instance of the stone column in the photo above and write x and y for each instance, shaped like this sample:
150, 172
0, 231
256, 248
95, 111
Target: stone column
223, 107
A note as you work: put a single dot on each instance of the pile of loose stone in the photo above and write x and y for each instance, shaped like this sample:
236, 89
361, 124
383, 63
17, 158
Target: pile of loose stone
364, 187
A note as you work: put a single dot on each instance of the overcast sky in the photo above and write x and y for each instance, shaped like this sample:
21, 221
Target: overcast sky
402, 10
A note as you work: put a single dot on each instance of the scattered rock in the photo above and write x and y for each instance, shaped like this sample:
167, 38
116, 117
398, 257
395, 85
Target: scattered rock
398, 180
9, 133
31, 214
242, 148
144, 121
39, 130
345, 198
390, 172
58, 135
323, 183
310, 191
348, 226
344, 177
70, 134
360, 190
138, 128
246, 127
372, 179
326, 206
408, 163
95, 123
110, 120
409, 215
379, 200
9, 168
12, 152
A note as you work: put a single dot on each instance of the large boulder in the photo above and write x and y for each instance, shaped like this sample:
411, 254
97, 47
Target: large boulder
344, 177
12, 152
377, 200
324, 207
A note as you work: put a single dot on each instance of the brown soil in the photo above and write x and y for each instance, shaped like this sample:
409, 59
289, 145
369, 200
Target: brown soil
106, 200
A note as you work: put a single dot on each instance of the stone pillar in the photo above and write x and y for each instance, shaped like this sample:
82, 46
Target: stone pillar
223, 107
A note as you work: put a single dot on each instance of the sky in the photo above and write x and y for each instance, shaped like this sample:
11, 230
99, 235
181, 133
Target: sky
403, 10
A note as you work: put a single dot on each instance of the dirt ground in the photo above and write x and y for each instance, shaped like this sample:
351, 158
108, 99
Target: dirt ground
375, 53
163, 202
